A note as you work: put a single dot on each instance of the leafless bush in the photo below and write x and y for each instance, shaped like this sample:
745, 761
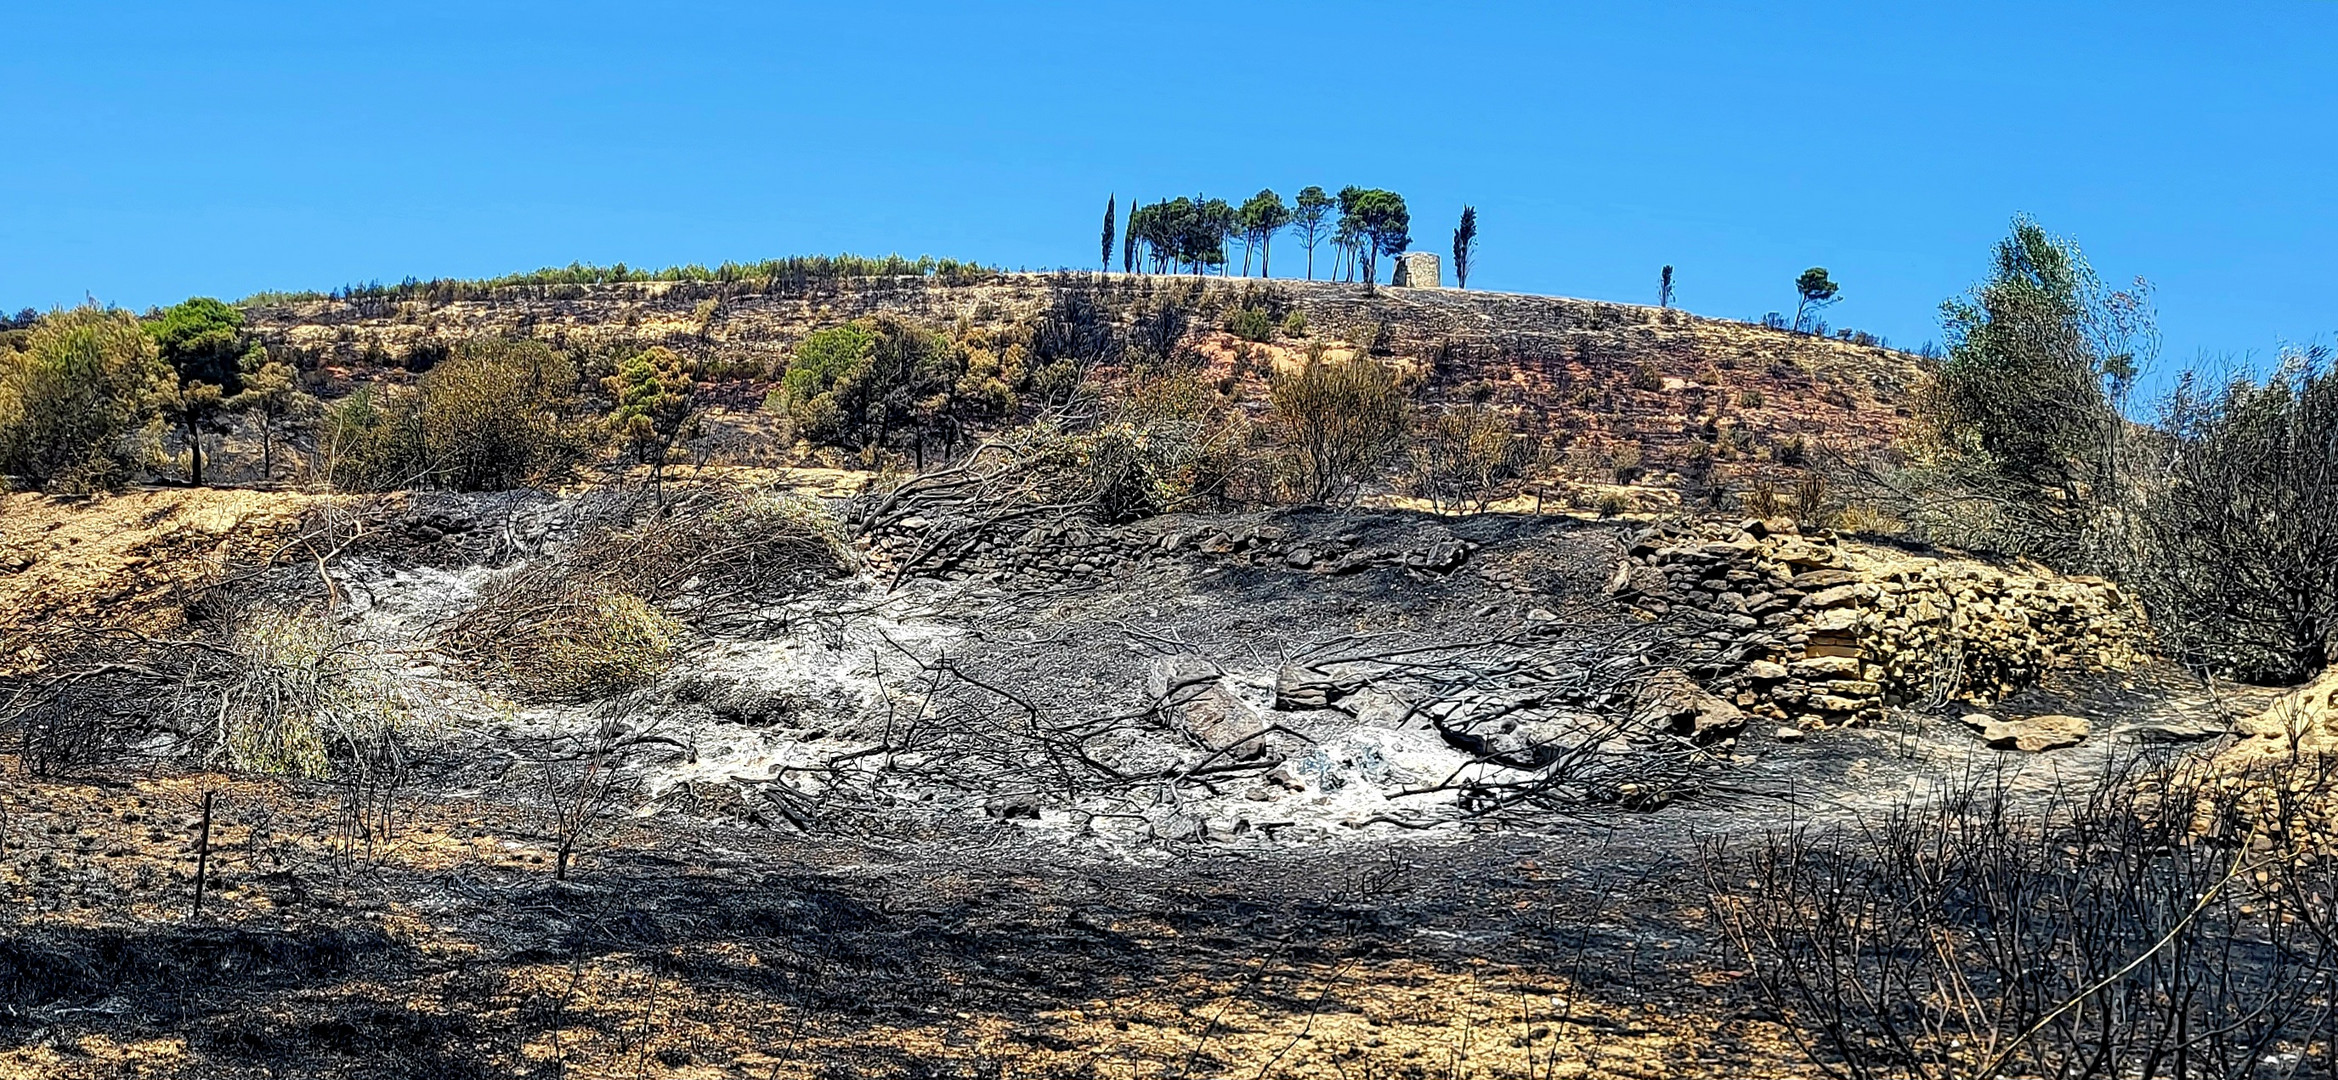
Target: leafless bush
1171, 446
581, 783
1339, 423
2232, 524
2096, 935
1464, 459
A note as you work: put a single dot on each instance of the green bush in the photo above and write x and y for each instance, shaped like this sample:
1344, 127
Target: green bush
594, 646
1251, 324
884, 383
497, 414
79, 404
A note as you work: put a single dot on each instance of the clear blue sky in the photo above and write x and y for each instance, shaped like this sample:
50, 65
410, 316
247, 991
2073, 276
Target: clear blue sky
153, 151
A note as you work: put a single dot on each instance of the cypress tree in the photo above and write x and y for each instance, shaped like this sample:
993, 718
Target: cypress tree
1111, 217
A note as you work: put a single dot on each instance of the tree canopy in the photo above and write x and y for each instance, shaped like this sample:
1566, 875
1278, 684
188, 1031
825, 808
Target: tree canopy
1259, 219
203, 343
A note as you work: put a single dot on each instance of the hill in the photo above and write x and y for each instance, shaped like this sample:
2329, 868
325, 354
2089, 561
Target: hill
1677, 389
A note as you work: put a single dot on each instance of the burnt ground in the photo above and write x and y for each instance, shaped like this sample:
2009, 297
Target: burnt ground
764, 897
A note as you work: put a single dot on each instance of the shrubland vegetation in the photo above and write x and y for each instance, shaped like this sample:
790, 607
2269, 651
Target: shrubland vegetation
79, 401
2110, 936
2214, 506
496, 414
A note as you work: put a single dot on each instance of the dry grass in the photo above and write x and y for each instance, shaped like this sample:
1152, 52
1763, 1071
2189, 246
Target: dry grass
129, 558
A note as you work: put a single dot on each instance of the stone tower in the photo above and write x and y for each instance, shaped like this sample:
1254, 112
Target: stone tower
1417, 270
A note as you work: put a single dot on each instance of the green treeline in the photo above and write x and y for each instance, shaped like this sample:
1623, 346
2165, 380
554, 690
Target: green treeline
792, 270
1192, 235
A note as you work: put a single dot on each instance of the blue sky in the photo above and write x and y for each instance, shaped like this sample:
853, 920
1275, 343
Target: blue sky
157, 151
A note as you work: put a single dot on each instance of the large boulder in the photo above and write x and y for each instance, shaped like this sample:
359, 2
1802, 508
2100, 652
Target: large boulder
2306, 718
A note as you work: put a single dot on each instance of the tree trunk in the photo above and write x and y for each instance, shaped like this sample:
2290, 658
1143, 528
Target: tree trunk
194, 451
1266, 252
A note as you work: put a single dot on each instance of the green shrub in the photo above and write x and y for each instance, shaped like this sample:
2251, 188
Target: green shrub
1295, 324
1251, 324
884, 383
1646, 377
496, 414
604, 617
594, 646
79, 404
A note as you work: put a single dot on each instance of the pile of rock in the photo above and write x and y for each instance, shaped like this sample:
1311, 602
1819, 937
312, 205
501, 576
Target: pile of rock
1820, 632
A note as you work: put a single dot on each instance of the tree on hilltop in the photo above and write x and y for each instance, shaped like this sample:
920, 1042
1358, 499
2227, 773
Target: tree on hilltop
1128, 243
1259, 220
1381, 223
1309, 218
1464, 245
1111, 218
1813, 290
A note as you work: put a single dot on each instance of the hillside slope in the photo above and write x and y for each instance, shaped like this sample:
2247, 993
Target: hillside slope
1593, 375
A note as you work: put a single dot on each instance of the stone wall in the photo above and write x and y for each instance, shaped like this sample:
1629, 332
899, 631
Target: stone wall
1069, 552
1823, 632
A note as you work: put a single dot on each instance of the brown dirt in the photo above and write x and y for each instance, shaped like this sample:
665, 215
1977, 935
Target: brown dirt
446, 950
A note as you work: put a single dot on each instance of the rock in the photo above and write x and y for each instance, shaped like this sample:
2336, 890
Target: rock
1789, 734
1299, 558
1838, 596
1013, 808
1814, 580
1689, 710
2031, 734
1827, 667
1441, 556
1765, 671
1199, 702
1301, 687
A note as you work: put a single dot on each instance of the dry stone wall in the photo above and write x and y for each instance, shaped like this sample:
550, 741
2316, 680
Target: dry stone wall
1822, 632
1073, 552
